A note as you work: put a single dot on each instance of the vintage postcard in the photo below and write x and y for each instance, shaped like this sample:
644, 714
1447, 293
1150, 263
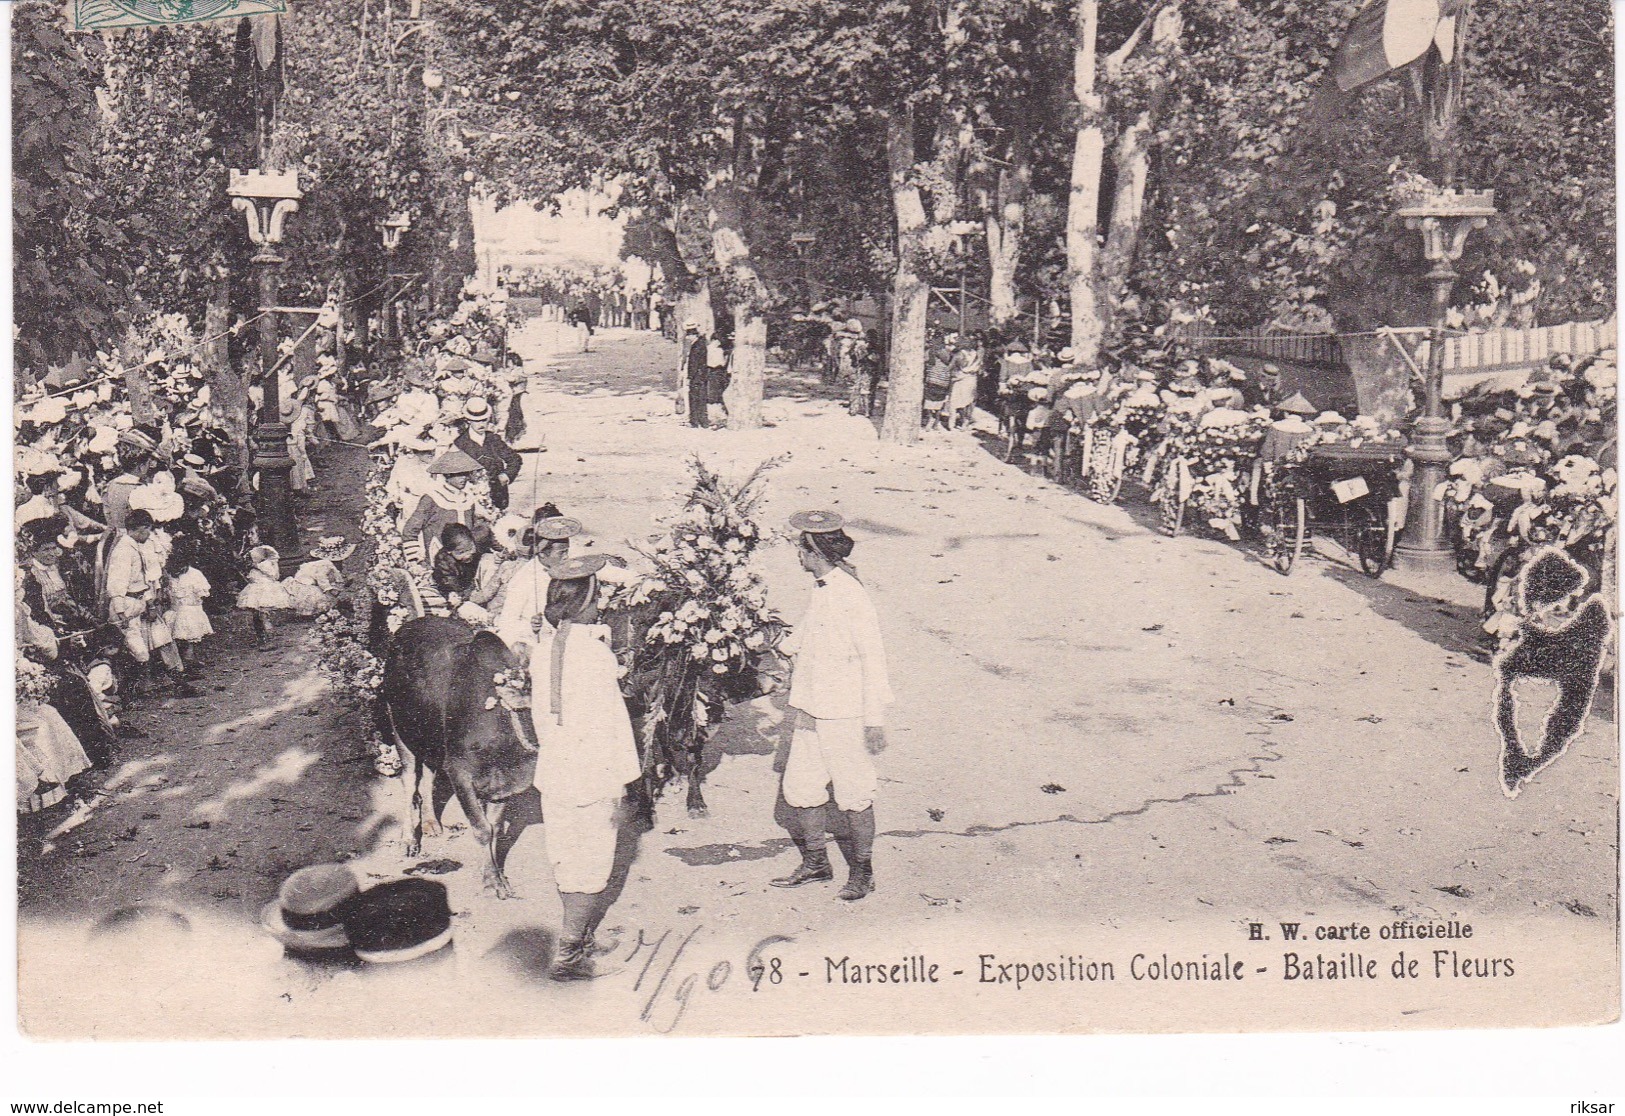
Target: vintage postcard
542, 518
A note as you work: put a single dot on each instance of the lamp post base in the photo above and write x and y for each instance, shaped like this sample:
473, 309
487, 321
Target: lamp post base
1424, 561
1424, 544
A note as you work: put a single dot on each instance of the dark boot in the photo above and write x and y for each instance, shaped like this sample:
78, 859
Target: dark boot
859, 850
807, 831
574, 959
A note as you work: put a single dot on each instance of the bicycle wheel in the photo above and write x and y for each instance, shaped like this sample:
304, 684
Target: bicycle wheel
1055, 459
1290, 523
1375, 547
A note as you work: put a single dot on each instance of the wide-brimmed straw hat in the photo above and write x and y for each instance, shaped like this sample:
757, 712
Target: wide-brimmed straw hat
558, 528
334, 548
817, 522
139, 439
307, 913
193, 483
399, 921
579, 567
1296, 404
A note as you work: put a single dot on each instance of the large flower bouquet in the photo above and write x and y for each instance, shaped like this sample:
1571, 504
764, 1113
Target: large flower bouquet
696, 632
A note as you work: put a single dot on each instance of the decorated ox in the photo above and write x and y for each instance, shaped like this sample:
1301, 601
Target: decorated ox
676, 703
438, 702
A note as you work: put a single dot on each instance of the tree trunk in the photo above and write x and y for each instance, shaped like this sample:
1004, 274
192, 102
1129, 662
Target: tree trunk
139, 389
465, 257
726, 216
749, 370
1006, 223
228, 391
1083, 207
911, 293
1131, 163
352, 319
695, 306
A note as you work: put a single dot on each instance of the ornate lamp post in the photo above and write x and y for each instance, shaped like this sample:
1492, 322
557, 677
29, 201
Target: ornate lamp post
800, 241
1444, 217
391, 229
266, 199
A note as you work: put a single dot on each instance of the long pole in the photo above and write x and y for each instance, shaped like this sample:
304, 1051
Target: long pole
1424, 545
271, 457
962, 296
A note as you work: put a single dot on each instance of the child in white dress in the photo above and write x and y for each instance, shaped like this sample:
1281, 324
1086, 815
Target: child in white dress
264, 594
187, 590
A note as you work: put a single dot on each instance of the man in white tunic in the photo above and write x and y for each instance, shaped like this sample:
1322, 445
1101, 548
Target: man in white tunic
521, 619
839, 691
587, 756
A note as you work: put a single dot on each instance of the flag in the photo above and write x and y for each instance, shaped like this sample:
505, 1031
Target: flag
1389, 34
98, 15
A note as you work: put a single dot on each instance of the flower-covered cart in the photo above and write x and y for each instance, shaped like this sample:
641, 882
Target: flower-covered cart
1338, 490
1200, 467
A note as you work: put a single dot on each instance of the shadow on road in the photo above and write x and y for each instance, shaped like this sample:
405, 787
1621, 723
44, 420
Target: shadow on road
1454, 627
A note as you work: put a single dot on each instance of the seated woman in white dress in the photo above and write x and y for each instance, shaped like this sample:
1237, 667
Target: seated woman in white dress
315, 585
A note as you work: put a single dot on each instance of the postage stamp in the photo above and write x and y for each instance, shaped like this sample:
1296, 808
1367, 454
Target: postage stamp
98, 15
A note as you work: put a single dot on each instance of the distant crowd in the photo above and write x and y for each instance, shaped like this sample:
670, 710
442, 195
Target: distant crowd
591, 301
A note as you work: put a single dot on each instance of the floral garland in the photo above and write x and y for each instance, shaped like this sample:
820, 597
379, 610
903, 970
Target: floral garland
379, 523
355, 675
354, 672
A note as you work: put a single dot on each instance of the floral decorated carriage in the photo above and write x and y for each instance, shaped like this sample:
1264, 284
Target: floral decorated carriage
1348, 493
1200, 467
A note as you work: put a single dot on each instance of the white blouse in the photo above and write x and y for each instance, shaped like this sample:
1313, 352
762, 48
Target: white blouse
840, 663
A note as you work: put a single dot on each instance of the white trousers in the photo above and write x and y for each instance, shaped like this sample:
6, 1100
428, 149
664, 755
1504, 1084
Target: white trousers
581, 844
825, 753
